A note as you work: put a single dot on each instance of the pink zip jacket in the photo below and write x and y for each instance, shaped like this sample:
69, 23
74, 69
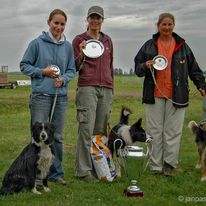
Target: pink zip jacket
95, 71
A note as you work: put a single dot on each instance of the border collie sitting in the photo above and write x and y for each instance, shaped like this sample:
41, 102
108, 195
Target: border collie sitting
33, 163
127, 134
199, 131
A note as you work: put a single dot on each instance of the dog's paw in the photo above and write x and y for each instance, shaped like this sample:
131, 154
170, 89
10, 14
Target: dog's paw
198, 166
203, 178
46, 189
35, 191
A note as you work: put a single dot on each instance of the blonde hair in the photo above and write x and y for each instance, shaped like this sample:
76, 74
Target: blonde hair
163, 16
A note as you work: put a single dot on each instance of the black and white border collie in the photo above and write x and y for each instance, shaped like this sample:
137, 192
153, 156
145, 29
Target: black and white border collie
199, 131
33, 163
127, 134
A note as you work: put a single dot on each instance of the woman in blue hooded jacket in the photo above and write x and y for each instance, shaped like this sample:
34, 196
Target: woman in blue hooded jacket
43, 53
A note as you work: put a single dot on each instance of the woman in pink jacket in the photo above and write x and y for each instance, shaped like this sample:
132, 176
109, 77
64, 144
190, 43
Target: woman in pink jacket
94, 92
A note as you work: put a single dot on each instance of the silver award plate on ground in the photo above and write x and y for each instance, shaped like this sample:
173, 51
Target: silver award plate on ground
94, 48
161, 62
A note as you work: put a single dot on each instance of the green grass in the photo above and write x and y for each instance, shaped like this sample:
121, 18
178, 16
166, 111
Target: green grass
158, 190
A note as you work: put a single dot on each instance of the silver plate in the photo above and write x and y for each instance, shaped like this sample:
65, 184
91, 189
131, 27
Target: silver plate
94, 48
160, 62
56, 69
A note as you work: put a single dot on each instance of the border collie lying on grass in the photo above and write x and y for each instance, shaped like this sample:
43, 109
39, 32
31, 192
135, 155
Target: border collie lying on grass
33, 162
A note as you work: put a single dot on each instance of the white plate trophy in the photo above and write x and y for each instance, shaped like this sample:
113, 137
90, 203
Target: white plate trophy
94, 48
161, 62
141, 156
56, 69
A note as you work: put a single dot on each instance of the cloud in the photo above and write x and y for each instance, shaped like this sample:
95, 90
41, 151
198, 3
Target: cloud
130, 23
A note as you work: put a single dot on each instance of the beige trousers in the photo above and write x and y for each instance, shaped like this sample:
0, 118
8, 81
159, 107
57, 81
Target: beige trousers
93, 112
164, 124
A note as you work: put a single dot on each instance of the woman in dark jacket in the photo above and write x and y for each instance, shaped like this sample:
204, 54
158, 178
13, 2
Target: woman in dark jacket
166, 91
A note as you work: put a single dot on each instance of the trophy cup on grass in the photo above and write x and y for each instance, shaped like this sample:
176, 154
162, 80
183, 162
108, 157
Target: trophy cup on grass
139, 158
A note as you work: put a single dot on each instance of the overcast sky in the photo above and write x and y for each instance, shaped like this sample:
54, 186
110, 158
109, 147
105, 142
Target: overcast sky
129, 23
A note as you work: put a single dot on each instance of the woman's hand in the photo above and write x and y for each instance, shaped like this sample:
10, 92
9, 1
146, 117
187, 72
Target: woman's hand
59, 82
202, 92
82, 46
149, 63
50, 72
81, 57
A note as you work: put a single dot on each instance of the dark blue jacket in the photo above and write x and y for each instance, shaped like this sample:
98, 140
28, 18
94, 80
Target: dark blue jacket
183, 65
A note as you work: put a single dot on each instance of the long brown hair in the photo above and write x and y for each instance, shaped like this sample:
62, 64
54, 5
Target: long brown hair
57, 11
165, 15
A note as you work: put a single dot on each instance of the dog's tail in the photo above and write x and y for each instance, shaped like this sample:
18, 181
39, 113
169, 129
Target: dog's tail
10, 187
124, 118
193, 126
5, 191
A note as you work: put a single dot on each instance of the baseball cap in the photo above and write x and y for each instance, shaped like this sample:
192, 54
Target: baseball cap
96, 10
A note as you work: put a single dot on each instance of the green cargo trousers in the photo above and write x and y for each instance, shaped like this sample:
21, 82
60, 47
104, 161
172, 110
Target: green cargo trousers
93, 106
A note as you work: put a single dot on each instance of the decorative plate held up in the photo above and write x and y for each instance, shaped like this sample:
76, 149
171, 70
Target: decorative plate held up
94, 48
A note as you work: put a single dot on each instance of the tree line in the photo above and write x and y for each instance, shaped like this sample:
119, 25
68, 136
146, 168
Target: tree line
121, 72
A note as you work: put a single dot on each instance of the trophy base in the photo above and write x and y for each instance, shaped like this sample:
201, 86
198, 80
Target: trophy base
134, 194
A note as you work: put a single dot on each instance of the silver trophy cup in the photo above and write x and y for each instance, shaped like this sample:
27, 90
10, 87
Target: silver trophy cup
139, 157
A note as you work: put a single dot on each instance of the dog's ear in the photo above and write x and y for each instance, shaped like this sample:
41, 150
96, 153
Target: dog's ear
36, 124
125, 113
138, 123
193, 126
202, 125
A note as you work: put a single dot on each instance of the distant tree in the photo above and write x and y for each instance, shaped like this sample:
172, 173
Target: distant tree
131, 72
116, 71
120, 71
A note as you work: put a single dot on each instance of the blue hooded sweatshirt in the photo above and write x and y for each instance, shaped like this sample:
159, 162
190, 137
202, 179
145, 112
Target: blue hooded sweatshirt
42, 52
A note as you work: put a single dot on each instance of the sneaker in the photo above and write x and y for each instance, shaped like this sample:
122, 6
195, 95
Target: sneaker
168, 170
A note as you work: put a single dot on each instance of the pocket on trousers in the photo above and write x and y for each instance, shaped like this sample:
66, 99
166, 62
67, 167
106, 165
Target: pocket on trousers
82, 116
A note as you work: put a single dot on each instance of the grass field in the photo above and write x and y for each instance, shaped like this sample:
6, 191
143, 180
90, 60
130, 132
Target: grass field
184, 188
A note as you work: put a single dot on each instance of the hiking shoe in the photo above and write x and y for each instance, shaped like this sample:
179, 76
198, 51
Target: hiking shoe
168, 170
61, 181
156, 172
89, 178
